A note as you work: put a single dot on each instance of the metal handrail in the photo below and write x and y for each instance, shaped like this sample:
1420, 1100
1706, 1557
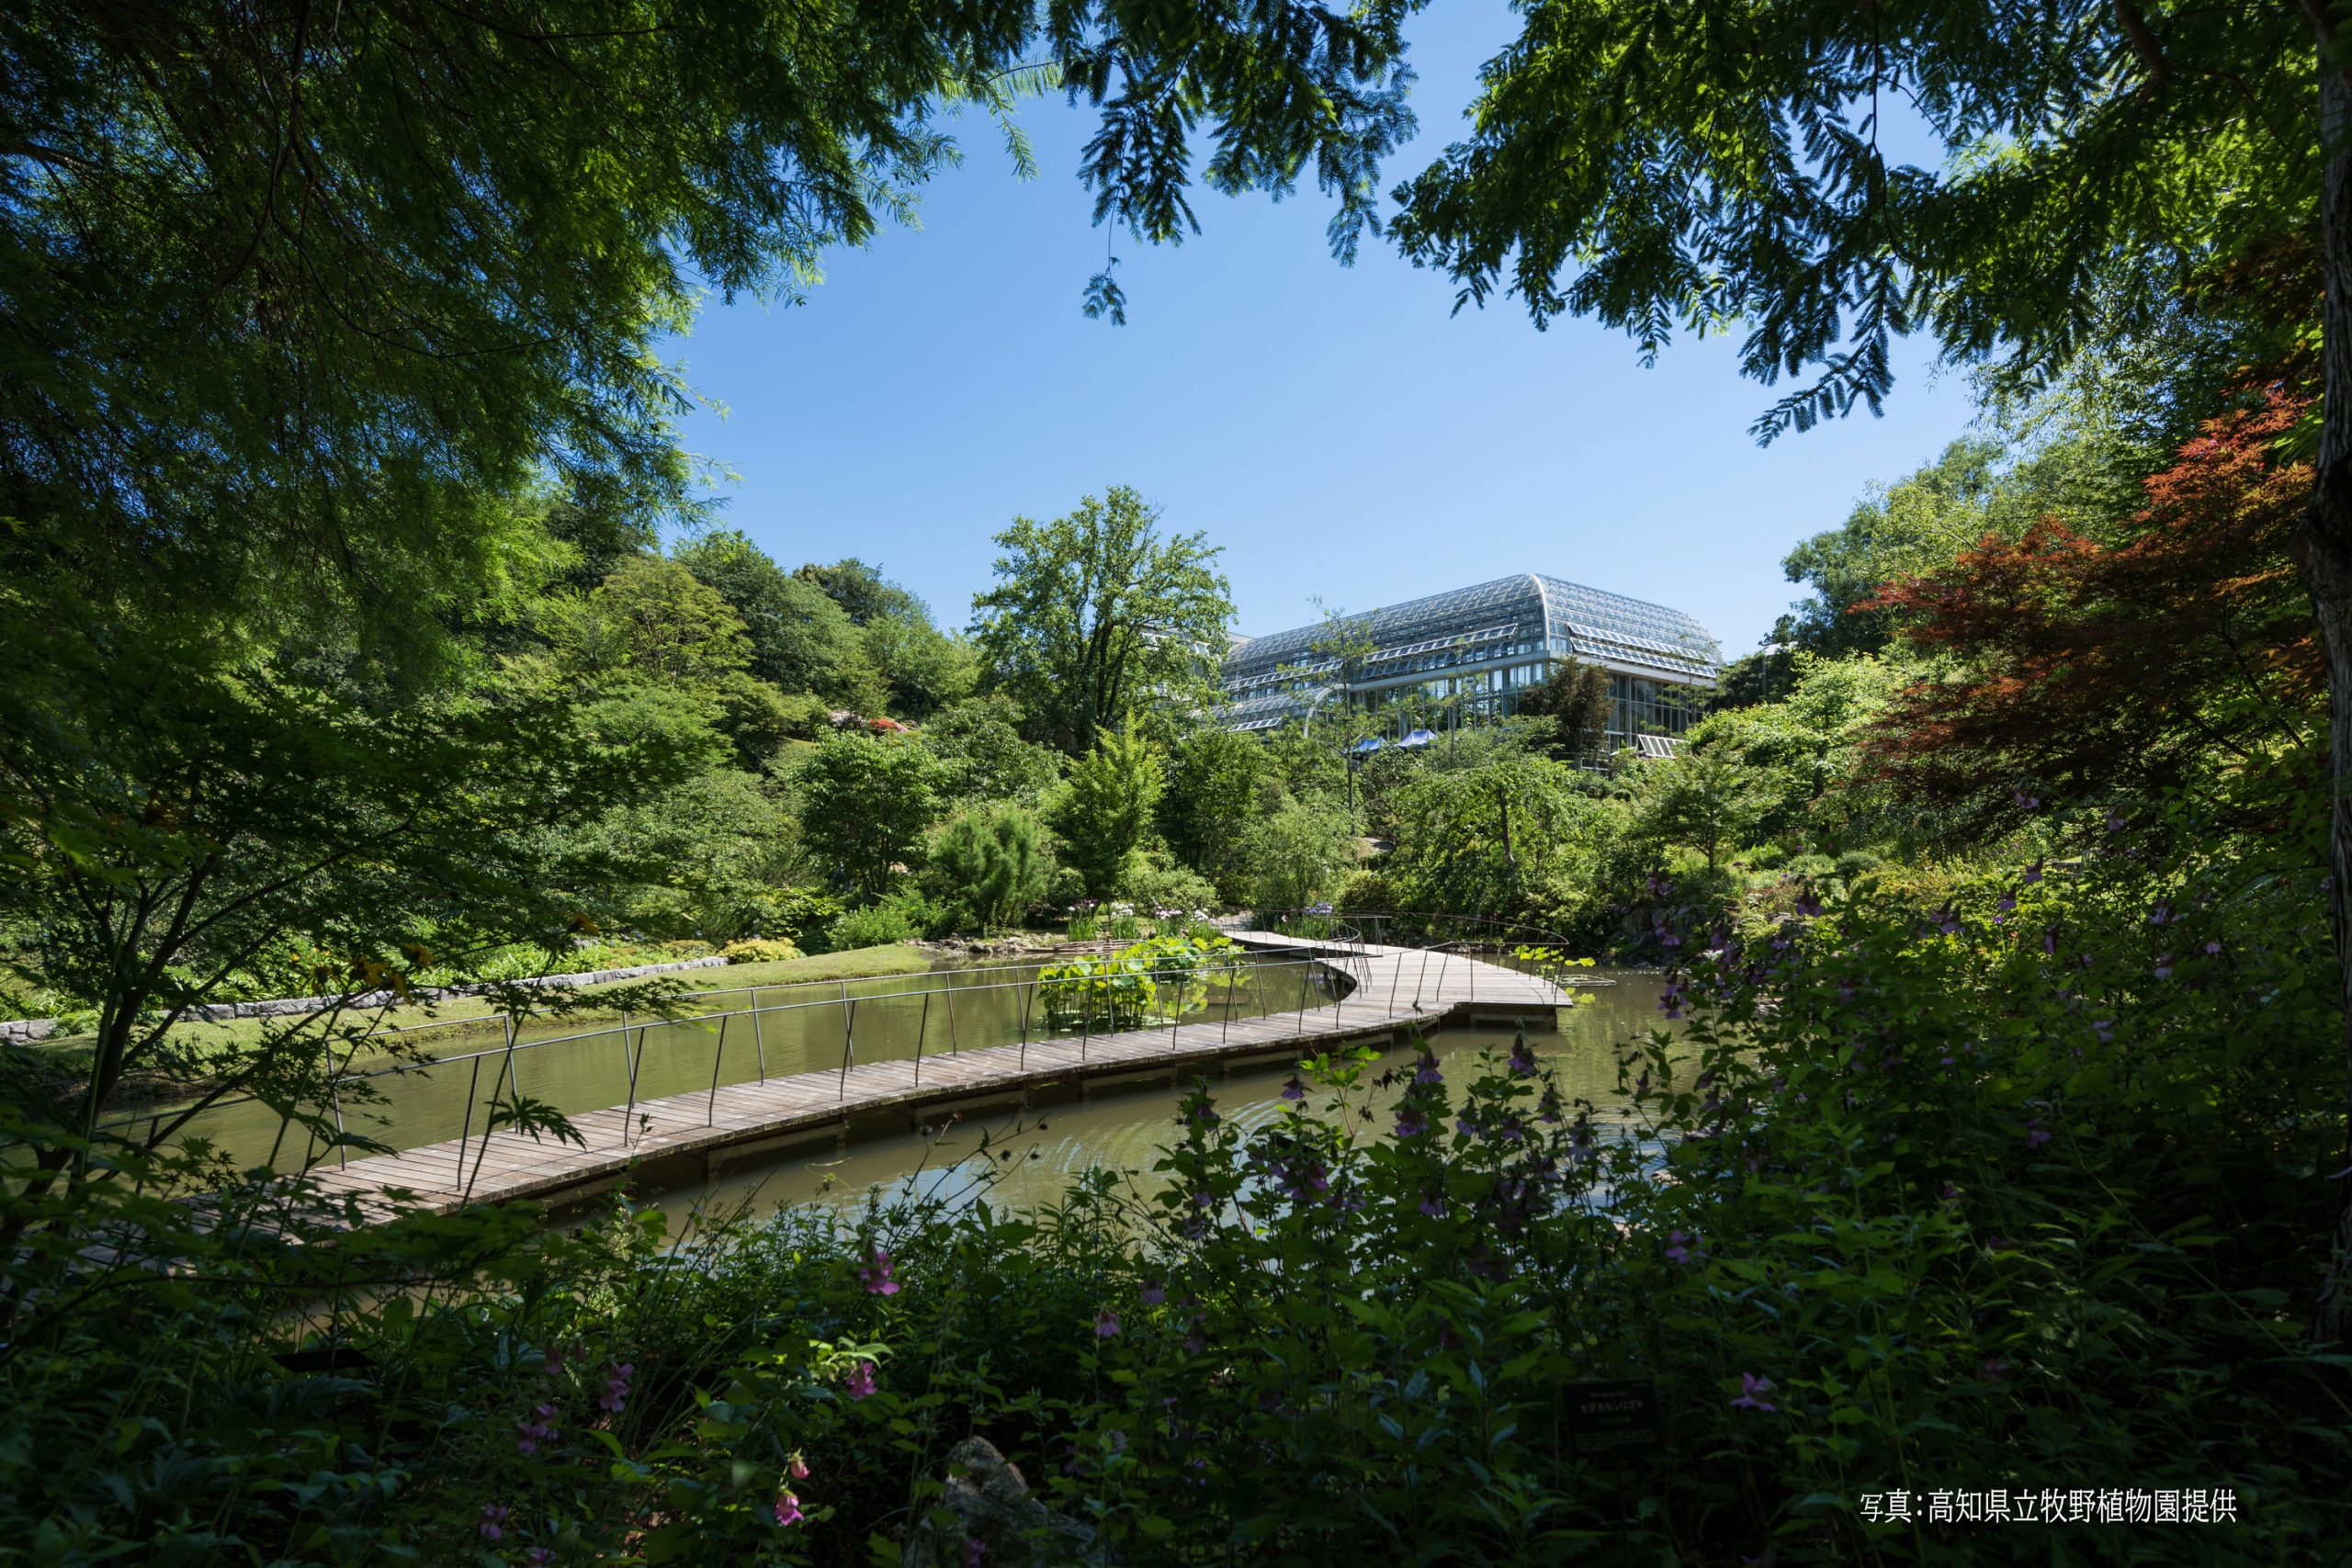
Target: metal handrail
511, 1046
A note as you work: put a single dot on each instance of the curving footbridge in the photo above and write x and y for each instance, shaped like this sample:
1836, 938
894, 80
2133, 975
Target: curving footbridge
1363, 992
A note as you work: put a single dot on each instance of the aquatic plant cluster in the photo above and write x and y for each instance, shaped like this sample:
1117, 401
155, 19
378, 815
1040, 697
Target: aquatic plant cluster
1152, 981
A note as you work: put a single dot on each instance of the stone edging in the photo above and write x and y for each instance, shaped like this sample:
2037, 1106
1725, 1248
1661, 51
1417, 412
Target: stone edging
23, 1032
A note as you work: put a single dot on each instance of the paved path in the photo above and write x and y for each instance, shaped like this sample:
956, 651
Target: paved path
1395, 988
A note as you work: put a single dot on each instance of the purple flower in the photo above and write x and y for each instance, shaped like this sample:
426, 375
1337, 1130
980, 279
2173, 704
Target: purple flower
2049, 942
1995, 1370
1294, 1091
974, 1549
787, 1510
1425, 1070
1950, 1192
2115, 822
2104, 1028
2213, 948
875, 1275
2160, 912
539, 1557
2164, 967
1105, 1325
860, 1381
2026, 802
1434, 1205
1659, 888
1945, 920
529, 1435
1467, 1128
1808, 904
2032, 874
494, 1516
1410, 1122
1152, 1292
1681, 1251
617, 1387
2035, 1134
2005, 902
1522, 1060
1751, 1392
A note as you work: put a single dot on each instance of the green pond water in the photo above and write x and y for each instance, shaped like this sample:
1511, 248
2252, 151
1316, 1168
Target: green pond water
771, 1032
1122, 1129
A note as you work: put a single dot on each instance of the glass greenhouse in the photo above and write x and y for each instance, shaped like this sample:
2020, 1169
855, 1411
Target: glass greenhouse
1471, 652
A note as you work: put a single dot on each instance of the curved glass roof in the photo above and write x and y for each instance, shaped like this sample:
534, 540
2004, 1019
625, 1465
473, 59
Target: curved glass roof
1505, 615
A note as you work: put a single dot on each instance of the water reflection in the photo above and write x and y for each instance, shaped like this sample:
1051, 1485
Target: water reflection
1122, 1130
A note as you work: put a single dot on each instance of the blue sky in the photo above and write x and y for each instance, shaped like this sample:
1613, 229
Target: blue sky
1336, 430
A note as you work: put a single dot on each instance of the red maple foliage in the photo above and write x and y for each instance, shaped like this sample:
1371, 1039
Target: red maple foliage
2084, 669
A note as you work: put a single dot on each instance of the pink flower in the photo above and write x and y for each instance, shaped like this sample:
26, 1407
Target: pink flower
1751, 1392
875, 1275
493, 1515
860, 1381
787, 1510
1106, 1324
797, 1467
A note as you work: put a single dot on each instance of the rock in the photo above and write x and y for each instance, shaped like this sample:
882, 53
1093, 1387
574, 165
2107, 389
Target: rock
993, 1505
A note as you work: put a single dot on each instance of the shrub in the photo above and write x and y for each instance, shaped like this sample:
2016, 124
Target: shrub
991, 862
1855, 862
874, 925
759, 950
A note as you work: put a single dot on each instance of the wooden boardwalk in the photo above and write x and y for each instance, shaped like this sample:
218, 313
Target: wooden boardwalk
1395, 989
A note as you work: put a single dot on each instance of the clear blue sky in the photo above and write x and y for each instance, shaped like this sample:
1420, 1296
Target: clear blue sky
1336, 430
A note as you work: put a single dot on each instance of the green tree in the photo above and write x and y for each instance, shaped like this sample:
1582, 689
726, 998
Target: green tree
1206, 812
866, 802
1504, 833
978, 742
2109, 169
994, 860
1575, 698
195, 809
652, 621
1105, 810
923, 668
800, 640
1701, 797
1299, 856
292, 292
1095, 612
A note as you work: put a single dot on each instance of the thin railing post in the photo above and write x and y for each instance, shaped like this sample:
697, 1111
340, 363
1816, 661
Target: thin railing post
512, 1087
473, 1088
1224, 1030
849, 1038
1085, 1023
954, 1046
1305, 973
919, 1030
629, 1114
717, 1058
759, 1039
1026, 1002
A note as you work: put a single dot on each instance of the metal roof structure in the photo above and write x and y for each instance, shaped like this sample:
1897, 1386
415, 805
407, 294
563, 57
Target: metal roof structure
1526, 613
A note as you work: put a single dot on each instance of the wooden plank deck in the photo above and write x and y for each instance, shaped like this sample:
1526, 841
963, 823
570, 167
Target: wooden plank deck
1395, 989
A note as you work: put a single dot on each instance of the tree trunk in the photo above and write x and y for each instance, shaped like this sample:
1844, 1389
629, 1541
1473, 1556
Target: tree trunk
2327, 567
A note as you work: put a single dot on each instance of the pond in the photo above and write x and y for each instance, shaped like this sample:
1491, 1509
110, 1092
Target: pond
748, 1036
1123, 1129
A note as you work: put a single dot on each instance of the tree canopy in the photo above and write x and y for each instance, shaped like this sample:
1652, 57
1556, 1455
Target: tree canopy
1095, 612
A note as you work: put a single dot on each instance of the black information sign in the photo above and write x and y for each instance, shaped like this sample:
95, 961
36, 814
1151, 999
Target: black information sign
1615, 1418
